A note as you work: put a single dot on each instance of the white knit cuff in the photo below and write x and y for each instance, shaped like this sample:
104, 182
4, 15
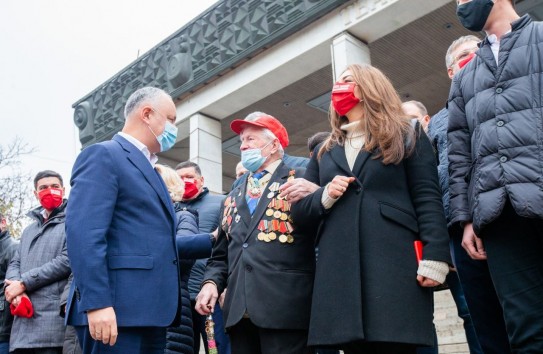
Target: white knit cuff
435, 270
326, 200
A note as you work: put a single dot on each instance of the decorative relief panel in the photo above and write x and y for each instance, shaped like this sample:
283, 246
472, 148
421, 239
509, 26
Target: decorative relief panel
215, 42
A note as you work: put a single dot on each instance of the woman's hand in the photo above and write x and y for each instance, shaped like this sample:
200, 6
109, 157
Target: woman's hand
338, 186
427, 282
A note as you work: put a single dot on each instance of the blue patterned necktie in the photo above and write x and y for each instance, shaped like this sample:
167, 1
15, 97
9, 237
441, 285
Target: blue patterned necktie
251, 198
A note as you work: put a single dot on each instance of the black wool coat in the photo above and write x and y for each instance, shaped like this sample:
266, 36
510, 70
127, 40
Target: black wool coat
365, 281
271, 281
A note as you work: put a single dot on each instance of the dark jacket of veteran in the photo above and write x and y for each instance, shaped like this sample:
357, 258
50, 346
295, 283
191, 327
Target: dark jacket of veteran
270, 277
365, 279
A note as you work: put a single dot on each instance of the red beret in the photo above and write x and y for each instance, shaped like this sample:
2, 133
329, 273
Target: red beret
267, 122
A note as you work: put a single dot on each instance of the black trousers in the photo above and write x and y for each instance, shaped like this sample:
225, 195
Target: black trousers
514, 247
483, 304
246, 338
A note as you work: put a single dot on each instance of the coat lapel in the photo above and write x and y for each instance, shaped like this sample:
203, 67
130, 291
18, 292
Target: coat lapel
338, 155
239, 196
361, 159
137, 158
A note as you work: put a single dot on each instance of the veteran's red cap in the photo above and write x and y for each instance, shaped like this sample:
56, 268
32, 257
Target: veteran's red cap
267, 122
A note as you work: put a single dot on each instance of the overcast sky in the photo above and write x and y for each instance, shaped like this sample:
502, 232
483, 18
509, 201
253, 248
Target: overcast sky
56, 51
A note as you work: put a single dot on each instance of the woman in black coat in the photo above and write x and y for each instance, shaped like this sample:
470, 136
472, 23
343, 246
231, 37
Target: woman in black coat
190, 245
379, 193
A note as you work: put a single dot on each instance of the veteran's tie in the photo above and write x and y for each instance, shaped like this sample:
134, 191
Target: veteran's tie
254, 191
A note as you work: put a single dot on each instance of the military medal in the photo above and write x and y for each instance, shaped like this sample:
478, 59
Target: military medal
277, 214
269, 212
261, 226
284, 216
291, 174
290, 239
271, 194
283, 238
272, 236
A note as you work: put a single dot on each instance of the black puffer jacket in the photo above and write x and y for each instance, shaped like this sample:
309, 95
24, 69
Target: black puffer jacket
496, 129
191, 245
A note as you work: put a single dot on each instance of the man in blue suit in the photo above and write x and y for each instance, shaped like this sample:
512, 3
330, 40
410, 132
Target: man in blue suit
121, 235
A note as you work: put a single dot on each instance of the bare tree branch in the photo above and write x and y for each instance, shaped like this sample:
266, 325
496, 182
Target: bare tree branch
15, 185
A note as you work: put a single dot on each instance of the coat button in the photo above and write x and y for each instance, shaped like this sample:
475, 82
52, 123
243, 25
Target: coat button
500, 123
245, 245
175, 261
499, 90
503, 158
248, 268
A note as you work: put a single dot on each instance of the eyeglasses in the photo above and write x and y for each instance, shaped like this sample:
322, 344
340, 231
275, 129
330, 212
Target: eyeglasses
171, 120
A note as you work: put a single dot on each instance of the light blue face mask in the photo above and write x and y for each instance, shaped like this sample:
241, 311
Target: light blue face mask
252, 159
168, 137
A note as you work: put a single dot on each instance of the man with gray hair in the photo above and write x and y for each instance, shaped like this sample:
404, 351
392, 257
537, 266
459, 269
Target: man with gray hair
269, 265
121, 235
292, 161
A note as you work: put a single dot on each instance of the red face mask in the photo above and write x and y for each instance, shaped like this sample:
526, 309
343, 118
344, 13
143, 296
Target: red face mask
343, 98
190, 190
50, 198
466, 60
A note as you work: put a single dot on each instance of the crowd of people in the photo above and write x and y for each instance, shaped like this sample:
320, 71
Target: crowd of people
339, 251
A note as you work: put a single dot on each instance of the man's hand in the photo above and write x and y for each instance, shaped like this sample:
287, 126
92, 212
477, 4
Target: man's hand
13, 289
296, 189
206, 299
17, 300
338, 186
103, 325
473, 244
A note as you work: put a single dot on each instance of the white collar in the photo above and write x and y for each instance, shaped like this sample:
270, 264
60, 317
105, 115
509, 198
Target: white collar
152, 158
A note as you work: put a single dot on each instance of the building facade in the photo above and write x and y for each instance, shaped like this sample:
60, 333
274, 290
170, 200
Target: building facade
278, 57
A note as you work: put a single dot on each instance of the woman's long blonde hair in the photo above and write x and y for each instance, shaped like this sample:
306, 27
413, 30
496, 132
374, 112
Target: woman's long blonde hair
388, 131
174, 183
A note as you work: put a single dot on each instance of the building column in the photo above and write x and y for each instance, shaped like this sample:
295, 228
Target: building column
346, 50
206, 149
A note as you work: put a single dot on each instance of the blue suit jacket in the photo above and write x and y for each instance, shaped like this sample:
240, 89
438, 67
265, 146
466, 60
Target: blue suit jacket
120, 232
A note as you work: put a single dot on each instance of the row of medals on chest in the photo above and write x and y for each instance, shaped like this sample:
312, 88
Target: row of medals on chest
280, 226
277, 208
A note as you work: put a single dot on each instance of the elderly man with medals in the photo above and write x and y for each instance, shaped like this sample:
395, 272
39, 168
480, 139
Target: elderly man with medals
268, 265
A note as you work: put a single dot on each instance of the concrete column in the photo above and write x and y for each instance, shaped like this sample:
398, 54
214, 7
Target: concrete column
346, 50
205, 149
